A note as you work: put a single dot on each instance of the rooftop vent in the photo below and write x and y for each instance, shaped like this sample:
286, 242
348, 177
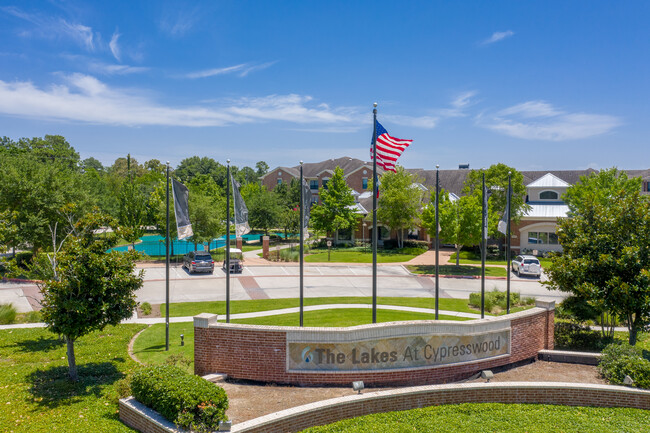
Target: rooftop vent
463, 166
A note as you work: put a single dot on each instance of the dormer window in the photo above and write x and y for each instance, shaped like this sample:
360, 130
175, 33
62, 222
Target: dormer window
548, 195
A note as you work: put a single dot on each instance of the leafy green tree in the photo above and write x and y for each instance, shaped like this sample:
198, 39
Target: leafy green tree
133, 211
400, 200
92, 163
264, 210
195, 165
460, 220
606, 248
207, 209
336, 211
262, 168
44, 196
496, 179
93, 289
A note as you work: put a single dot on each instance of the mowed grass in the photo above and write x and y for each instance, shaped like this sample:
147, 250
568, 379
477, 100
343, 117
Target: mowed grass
149, 347
497, 417
185, 309
490, 271
36, 395
343, 256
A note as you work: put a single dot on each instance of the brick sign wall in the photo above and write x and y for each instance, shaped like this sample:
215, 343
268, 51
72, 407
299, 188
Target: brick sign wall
380, 354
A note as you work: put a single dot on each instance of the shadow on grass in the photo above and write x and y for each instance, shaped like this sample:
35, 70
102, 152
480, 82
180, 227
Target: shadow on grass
52, 388
41, 344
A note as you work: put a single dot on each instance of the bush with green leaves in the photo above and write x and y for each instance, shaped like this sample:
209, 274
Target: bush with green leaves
575, 336
146, 308
7, 314
495, 301
620, 360
189, 401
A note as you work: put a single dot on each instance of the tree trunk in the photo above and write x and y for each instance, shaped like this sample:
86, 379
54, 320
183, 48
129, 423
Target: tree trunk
633, 327
458, 247
72, 363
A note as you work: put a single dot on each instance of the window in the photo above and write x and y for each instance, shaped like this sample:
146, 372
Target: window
279, 181
324, 182
548, 195
384, 233
540, 238
647, 186
364, 183
313, 184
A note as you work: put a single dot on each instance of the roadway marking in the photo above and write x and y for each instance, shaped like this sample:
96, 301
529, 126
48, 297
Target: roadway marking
253, 290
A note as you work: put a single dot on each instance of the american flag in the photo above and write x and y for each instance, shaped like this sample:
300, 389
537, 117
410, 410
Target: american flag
388, 148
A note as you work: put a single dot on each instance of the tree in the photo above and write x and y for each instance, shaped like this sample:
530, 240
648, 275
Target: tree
460, 220
93, 289
194, 166
264, 210
207, 209
92, 163
399, 203
262, 168
336, 211
606, 248
496, 179
133, 211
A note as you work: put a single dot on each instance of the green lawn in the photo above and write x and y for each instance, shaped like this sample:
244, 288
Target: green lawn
36, 395
149, 347
496, 417
490, 271
345, 256
184, 309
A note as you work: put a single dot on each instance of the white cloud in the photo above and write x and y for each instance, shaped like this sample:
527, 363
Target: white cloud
539, 120
180, 19
82, 34
459, 104
242, 70
498, 36
426, 122
216, 71
112, 69
84, 98
115, 48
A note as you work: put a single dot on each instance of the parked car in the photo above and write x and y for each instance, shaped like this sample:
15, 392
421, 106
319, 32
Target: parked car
198, 261
235, 266
526, 265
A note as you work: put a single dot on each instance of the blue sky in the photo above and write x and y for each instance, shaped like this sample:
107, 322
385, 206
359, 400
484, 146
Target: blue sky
536, 85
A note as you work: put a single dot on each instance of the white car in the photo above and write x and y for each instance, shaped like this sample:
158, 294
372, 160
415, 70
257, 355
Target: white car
526, 265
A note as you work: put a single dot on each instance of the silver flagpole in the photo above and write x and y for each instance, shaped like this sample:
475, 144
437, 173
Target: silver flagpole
509, 205
228, 242
167, 268
302, 239
437, 238
374, 214
484, 246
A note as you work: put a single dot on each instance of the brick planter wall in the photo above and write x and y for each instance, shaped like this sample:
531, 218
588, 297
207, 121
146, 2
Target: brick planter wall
145, 420
259, 353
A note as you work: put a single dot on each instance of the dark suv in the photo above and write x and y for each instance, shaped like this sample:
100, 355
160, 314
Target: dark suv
198, 261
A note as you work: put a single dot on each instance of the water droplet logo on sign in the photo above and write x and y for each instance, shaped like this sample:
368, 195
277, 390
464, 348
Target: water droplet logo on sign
307, 356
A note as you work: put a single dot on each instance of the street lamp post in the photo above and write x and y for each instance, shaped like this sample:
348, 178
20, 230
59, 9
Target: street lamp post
364, 235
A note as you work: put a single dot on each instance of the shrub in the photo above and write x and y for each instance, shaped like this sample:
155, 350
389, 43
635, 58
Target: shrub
620, 360
574, 336
30, 317
412, 243
7, 314
189, 401
146, 308
496, 301
390, 244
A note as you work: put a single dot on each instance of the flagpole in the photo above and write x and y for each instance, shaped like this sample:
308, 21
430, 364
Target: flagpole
228, 241
374, 214
509, 200
167, 268
302, 238
437, 238
484, 246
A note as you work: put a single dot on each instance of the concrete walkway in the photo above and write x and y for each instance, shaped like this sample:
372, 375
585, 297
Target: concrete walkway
186, 319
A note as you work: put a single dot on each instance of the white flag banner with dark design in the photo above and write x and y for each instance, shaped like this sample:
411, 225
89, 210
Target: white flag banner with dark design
486, 196
503, 223
241, 211
181, 210
306, 201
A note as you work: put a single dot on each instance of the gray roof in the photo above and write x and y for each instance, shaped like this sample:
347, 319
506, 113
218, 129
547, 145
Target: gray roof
547, 210
313, 169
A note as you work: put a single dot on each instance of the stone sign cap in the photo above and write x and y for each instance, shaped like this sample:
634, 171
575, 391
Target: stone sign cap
547, 305
204, 320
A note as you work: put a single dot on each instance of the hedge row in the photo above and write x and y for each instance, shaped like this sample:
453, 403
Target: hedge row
189, 401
